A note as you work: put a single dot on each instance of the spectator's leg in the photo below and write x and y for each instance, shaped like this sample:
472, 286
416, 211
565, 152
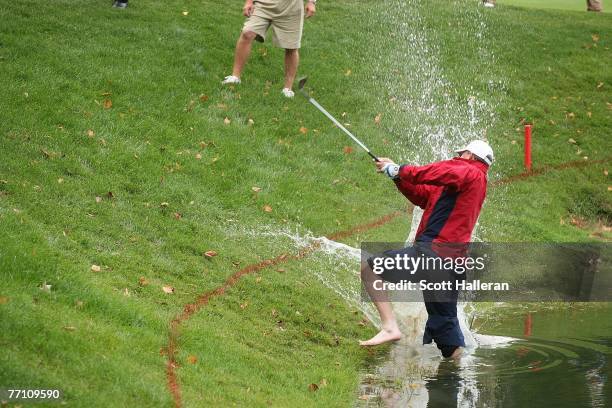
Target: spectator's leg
594, 5
292, 59
243, 50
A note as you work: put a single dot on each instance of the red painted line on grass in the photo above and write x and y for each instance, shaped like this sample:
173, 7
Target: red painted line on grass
202, 300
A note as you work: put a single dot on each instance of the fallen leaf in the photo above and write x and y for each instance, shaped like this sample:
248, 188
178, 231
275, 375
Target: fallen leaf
198, 156
251, 122
256, 189
313, 387
347, 150
364, 397
164, 204
274, 313
244, 305
258, 279
590, 114
203, 98
600, 85
79, 303
210, 254
595, 37
98, 199
303, 130
203, 145
267, 208
45, 287
96, 268
90, 133
323, 383
348, 72
69, 328
609, 188
605, 172
168, 289
570, 140
178, 216
60, 180
227, 120
3, 300
192, 359
126, 292
110, 194
142, 281
280, 270
377, 118
185, 13
107, 104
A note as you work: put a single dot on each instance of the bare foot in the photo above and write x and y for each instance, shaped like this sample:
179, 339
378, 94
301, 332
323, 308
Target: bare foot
383, 336
457, 353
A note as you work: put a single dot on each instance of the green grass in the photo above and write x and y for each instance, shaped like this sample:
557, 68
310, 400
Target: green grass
575, 5
60, 60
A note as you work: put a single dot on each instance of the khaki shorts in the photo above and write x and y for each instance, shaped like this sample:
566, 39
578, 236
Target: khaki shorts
286, 17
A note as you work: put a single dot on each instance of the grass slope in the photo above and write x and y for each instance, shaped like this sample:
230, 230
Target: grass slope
174, 180
576, 5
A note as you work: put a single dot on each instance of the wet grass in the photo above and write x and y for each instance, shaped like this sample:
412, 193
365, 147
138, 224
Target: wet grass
117, 153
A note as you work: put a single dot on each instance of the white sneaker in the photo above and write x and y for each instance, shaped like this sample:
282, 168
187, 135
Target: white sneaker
288, 93
231, 79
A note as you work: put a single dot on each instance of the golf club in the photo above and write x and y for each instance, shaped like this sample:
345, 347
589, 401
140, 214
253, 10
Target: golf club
326, 113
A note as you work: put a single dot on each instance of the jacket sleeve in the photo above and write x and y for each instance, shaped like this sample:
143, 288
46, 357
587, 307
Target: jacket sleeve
444, 173
417, 194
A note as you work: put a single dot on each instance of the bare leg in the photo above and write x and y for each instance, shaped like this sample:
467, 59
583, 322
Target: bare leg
292, 59
243, 50
390, 331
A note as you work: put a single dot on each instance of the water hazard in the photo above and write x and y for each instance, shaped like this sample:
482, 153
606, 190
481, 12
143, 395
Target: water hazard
554, 356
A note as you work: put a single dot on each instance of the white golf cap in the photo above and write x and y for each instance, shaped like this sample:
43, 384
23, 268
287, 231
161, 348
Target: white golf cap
480, 149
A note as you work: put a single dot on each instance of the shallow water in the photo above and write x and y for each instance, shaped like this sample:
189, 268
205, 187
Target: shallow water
553, 357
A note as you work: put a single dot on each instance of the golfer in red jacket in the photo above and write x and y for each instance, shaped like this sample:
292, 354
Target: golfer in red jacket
451, 192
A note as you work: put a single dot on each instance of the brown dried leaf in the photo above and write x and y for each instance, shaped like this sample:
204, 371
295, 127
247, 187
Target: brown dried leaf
198, 156
210, 254
69, 328
107, 103
192, 359
256, 189
168, 289
227, 120
3, 300
347, 150
90, 133
377, 118
348, 72
142, 281
244, 305
595, 37
98, 199
95, 268
267, 208
203, 98
178, 216
313, 387
303, 130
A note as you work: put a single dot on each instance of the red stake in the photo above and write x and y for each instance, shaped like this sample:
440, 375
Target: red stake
528, 147
528, 325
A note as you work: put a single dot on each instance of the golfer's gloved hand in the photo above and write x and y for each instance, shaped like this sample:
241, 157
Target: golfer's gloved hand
391, 170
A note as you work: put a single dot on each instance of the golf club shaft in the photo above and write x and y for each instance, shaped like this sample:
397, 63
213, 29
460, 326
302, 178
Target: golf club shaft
345, 130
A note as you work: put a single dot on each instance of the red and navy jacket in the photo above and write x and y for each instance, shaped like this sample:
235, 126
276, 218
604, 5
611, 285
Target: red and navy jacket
451, 192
